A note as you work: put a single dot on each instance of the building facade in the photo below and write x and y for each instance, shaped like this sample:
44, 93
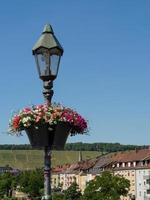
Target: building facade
143, 184
133, 165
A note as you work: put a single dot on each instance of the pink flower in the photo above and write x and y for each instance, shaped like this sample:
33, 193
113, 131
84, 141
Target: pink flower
26, 110
37, 119
39, 106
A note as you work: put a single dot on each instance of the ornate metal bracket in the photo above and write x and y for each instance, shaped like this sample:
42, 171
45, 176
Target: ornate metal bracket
47, 91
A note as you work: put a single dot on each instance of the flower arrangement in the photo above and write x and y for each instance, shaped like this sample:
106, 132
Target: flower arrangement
51, 115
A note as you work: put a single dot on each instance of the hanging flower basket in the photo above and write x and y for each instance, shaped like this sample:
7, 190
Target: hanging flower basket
47, 125
51, 136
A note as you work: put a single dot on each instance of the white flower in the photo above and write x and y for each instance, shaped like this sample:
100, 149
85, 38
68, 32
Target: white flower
26, 119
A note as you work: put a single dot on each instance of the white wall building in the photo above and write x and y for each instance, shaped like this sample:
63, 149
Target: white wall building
143, 184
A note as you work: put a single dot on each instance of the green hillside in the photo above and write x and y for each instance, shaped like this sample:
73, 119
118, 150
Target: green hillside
30, 159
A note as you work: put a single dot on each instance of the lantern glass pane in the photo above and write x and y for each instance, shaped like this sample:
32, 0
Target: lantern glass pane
54, 64
43, 65
47, 61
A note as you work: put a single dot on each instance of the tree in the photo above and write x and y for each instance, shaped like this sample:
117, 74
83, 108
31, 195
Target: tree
7, 182
106, 187
72, 193
57, 196
31, 182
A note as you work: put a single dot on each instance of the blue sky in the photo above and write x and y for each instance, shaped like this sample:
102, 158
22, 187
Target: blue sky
104, 72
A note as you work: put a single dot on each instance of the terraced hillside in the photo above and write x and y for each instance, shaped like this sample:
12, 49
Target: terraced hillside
30, 159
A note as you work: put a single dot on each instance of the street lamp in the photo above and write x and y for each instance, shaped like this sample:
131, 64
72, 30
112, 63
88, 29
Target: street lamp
47, 52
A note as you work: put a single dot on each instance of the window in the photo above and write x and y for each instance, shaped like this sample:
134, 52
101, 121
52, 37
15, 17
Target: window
141, 163
146, 163
148, 191
147, 181
134, 164
129, 164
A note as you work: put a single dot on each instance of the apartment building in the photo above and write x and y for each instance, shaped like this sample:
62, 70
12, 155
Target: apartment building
143, 183
133, 165
78, 172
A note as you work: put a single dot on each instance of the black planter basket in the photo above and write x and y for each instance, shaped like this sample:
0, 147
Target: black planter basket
44, 135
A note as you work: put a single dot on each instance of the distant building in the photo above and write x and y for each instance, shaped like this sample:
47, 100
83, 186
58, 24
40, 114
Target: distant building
9, 169
133, 165
143, 184
5, 169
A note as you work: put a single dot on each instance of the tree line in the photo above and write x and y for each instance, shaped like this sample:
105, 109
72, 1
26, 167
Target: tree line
102, 147
79, 146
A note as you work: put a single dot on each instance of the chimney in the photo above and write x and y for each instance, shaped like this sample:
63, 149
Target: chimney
136, 150
80, 156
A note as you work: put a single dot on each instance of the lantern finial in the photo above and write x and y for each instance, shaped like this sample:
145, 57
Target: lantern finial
48, 29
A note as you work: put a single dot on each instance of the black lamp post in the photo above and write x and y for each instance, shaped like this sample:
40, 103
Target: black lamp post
47, 52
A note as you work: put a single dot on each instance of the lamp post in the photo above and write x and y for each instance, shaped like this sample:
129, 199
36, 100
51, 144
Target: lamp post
47, 52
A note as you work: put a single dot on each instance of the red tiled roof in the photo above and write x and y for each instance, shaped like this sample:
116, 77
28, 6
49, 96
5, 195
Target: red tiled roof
134, 155
106, 161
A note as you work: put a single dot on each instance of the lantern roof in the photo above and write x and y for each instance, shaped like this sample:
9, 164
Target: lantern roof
47, 40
